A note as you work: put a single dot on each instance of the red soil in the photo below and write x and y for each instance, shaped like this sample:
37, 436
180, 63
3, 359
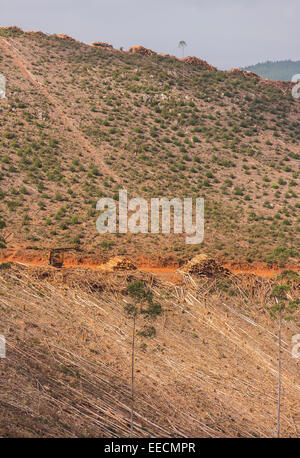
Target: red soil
163, 268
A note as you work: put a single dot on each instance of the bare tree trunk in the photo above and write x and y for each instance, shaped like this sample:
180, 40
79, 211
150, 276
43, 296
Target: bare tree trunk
132, 376
279, 376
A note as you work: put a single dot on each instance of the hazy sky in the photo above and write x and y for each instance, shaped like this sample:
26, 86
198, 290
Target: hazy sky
227, 33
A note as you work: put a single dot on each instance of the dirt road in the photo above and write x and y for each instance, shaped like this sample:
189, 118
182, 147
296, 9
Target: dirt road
168, 273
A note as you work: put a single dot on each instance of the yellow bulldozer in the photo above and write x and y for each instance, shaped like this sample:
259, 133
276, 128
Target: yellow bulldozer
57, 255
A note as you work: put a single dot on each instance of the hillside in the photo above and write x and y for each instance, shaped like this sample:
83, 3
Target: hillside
282, 70
79, 122
205, 357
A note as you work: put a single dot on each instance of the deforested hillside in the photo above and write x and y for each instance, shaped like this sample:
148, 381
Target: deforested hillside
205, 356
80, 122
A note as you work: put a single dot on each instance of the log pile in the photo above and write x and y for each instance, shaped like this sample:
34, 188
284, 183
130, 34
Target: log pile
63, 36
192, 60
245, 73
203, 266
119, 263
142, 50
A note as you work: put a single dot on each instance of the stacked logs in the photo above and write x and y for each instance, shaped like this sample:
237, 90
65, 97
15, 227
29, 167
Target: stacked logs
119, 263
245, 73
192, 60
142, 50
63, 36
203, 266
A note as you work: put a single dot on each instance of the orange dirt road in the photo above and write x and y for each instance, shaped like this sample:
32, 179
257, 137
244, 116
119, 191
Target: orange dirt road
168, 273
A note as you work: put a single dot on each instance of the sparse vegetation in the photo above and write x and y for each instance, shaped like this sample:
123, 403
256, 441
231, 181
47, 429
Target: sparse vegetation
117, 352
168, 126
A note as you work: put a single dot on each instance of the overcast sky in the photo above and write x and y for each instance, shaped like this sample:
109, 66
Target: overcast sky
227, 33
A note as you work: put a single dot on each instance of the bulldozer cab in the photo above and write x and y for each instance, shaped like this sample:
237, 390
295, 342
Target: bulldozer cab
56, 258
57, 255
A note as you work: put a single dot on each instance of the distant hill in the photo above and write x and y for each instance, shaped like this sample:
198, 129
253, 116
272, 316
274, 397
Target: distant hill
281, 70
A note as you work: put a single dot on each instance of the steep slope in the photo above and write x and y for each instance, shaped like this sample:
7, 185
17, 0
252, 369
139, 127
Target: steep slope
206, 366
79, 122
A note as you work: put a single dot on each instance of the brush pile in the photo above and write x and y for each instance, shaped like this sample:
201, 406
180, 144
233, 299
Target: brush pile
63, 36
192, 60
142, 50
245, 73
203, 266
119, 263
